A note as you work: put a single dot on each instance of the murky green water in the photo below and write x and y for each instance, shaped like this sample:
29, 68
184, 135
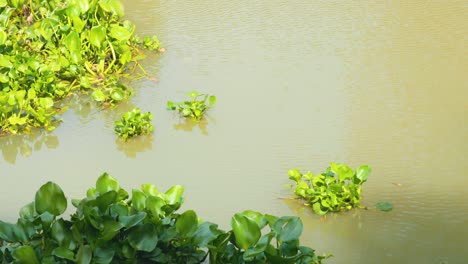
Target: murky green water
299, 84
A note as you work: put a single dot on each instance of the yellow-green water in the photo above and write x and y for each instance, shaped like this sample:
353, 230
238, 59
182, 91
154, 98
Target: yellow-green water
299, 84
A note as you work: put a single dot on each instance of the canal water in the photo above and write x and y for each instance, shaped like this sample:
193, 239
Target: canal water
299, 84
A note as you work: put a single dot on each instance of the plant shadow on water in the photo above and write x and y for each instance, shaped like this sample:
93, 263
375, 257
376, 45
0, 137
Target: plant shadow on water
135, 145
25, 144
187, 124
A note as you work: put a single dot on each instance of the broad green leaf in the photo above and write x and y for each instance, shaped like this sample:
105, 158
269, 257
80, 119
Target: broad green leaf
384, 206
104, 200
149, 189
46, 102
106, 183
205, 233
78, 24
117, 95
25, 255
97, 35
260, 247
295, 175
143, 237
246, 231
7, 232
120, 33
5, 61
28, 211
174, 194
154, 204
288, 228
187, 223
82, 5
4, 78
363, 172
73, 44
110, 230
138, 200
84, 255
318, 210
61, 233
112, 6
132, 220
50, 198
64, 253
103, 255
3, 3
99, 96
255, 216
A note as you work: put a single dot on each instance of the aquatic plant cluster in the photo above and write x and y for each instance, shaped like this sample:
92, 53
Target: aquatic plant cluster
48, 49
194, 108
337, 189
109, 226
134, 123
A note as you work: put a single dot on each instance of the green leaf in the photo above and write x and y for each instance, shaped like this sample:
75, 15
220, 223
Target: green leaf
84, 255
138, 200
143, 237
260, 247
5, 61
246, 231
132, 220
205, 233
110, 230
154, 204
7, 232
288, 228
50, 198
73, 43
174, 194
25, 255
61, 233
187, 223
64, 253
106, 183
97, 35
384, 206
112, 6
28, 211
99, 96
295, 175
255, 216
120, 33
46, 102
117, 95
3, 36
363, 172
149, 189
103, 255
212, 100
318, 210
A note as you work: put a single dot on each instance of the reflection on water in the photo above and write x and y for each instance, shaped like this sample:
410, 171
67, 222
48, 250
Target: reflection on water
25, 145
135, 145
187, 124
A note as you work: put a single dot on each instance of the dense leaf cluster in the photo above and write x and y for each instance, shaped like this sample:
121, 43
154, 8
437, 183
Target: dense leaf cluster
110, 227
134, 123
49, 48
195, 108
336, 189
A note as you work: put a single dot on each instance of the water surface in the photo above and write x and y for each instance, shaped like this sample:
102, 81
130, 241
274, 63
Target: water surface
299, 84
